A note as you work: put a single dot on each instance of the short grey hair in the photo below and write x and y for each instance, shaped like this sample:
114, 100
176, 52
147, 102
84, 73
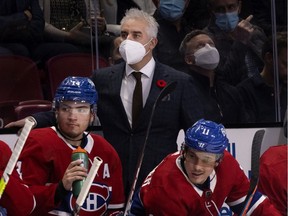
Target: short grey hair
133, 13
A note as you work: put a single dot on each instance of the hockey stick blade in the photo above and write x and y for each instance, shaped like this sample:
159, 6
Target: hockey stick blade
164, 92
29, 123
255, 157
87, 184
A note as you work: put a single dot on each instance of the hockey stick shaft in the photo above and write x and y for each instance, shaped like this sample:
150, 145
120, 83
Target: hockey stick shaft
255, 157
29, 123
165, 91
87, 184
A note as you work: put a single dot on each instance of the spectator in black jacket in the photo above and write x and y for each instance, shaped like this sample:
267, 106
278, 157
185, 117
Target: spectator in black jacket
22, 32
259, 91
21, 26
172, 29
221, 101
237, 40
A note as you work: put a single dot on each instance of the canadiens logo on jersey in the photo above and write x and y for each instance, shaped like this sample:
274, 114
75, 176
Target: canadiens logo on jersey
96, 202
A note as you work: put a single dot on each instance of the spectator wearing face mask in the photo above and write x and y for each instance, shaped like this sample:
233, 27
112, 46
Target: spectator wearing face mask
172, 29
238, 41
221, 101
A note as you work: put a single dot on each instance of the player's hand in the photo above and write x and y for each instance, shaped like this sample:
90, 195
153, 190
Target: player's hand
244, 30
20, 123
73, 173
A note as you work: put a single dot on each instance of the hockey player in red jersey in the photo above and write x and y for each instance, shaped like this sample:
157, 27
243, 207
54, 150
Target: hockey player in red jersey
199, 179
17, 199
273, 176
46, 158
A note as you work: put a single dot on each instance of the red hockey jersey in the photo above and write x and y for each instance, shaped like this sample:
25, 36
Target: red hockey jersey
17, 199
168, 191
46, 156
273, 176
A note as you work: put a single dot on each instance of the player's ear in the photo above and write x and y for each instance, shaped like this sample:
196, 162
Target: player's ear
92, 118
153, 43
218, 161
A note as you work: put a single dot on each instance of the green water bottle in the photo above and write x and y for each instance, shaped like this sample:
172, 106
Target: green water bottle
81, 154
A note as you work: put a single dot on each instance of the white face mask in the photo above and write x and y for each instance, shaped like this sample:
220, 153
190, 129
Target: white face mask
207, 57
132, 51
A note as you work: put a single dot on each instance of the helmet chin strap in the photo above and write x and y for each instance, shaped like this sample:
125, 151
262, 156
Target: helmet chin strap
84, 137
71, 139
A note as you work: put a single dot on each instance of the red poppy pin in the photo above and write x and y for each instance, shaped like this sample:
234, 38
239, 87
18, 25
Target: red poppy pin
161, 83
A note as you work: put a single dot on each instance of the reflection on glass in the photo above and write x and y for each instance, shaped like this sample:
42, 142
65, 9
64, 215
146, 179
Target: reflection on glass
57, 27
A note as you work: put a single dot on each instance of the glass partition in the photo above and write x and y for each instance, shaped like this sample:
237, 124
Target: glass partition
41, 30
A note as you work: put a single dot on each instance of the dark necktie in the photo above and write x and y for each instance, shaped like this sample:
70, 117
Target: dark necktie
137, 103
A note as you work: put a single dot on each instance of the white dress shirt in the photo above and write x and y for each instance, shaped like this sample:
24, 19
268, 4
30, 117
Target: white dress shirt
129, 82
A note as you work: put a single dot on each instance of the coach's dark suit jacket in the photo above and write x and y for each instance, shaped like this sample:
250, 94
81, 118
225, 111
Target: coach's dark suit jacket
178, 110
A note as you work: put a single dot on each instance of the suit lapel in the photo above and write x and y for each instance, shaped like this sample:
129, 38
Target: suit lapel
116, 80
115, 83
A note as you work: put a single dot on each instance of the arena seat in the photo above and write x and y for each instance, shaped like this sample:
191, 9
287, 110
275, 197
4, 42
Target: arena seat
20, 79
73, 64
